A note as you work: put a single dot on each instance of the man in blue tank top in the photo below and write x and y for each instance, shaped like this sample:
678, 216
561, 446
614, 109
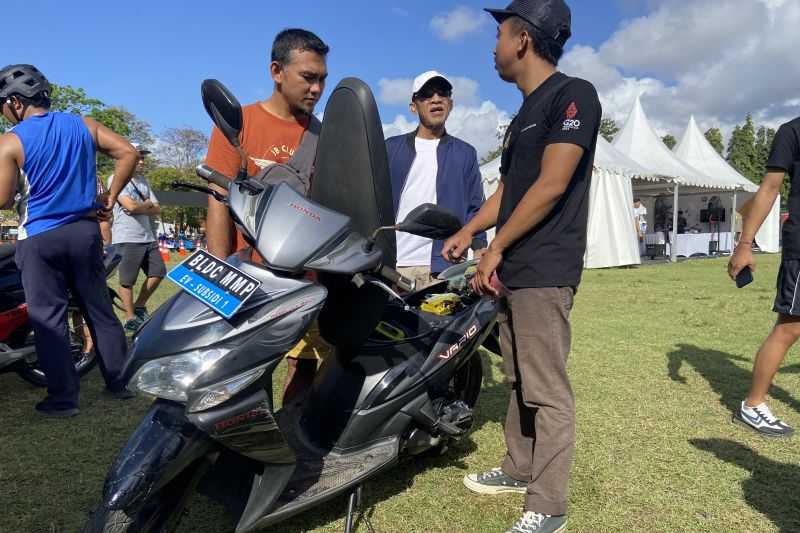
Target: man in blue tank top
47, 164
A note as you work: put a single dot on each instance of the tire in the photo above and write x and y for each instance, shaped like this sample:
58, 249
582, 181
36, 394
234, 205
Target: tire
84, 362
160, 513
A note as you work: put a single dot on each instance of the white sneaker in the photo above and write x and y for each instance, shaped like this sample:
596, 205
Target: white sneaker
539, 523
761, 420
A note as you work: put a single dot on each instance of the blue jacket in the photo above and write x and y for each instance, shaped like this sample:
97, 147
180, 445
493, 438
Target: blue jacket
458, 181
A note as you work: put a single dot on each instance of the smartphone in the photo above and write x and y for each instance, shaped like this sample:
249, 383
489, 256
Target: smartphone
744, 277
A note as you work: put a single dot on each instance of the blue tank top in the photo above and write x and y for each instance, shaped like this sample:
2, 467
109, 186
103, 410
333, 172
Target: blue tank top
58, 180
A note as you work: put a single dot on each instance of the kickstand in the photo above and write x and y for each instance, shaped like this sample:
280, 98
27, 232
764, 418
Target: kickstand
353, 506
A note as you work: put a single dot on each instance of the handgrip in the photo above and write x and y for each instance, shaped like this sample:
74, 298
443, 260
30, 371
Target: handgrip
212, 176
395, 277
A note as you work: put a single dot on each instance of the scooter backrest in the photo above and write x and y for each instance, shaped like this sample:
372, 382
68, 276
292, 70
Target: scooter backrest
351, 175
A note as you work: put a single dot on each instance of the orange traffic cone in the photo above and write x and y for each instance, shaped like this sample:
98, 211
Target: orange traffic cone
162, 249
181, 248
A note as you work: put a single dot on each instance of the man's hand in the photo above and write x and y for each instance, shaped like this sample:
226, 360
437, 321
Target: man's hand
482, 281
742, 257
454, 247
477, 254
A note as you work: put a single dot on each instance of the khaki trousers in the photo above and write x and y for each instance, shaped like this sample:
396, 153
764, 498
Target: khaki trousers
535, 338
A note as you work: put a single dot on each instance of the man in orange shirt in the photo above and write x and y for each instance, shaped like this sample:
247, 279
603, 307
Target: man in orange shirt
271, 132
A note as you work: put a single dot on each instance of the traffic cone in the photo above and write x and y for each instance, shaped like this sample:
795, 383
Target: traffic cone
162, 248
181, 248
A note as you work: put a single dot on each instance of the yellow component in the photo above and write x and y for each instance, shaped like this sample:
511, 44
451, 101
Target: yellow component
470, 271
390, 332
441, 304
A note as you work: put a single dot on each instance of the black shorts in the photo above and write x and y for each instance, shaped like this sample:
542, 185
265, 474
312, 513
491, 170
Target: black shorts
787, 299
136, 255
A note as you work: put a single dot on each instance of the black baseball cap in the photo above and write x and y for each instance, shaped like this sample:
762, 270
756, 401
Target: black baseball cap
553, 17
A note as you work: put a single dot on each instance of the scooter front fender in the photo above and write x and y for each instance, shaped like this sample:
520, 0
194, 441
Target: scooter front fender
163, 445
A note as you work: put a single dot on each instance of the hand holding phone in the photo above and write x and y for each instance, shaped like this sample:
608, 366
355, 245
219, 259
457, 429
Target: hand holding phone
744, 277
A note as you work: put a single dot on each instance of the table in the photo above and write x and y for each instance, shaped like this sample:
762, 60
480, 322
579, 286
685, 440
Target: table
690, 244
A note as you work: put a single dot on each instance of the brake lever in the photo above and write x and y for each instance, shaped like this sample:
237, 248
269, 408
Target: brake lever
199, 188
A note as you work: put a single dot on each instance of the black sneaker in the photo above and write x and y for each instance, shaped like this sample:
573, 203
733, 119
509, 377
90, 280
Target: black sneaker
761, 420
46, 408
142, 314
133, 325
539, 523
120, 394
495, 481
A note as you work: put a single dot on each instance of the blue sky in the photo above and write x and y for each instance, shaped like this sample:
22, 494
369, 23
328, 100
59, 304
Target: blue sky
150, 57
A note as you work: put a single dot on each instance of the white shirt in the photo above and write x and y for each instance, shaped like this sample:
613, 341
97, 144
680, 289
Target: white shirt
420, 188
640, 215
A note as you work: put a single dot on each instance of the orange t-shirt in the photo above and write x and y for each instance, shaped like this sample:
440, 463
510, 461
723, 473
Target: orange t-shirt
266, 139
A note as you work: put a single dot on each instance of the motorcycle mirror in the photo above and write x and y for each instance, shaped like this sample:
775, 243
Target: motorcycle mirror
223, 108
430, 221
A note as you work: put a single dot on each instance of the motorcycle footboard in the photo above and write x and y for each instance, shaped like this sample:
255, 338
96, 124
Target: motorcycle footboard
162, 446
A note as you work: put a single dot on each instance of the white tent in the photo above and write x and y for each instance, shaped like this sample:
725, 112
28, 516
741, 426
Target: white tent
611, 237
695, 150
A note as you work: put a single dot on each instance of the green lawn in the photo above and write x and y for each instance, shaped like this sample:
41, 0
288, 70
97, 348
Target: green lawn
661, 355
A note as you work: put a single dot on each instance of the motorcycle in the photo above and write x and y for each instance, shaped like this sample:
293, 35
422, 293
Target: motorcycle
402, 380
17, 346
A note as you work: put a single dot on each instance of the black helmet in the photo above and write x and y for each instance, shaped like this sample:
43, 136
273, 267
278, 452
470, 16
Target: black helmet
25, 80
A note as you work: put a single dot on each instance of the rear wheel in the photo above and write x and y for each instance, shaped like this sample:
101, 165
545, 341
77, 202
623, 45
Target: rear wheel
80, 348
161, 513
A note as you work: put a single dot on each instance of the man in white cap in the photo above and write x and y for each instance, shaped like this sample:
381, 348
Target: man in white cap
428, 165
137, 241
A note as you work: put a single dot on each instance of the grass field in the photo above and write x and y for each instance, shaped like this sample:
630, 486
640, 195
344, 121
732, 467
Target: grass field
661, 356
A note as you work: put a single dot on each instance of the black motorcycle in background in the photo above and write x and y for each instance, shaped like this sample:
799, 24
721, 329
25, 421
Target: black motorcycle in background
17, 347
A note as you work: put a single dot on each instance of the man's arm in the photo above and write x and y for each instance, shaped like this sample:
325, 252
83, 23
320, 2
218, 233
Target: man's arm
223, 158
558, 166
115, 146
139, 208
11, 155
455, 246
753, 216
475, 192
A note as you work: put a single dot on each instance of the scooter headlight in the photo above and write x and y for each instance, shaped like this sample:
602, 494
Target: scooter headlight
213, 395
171, 377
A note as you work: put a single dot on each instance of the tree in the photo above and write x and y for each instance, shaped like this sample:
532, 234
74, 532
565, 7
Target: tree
714, 137
183, 147
742, 150
669, 140
764, 138
609, 129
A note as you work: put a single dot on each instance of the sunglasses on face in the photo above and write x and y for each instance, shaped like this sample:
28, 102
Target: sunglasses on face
427, 93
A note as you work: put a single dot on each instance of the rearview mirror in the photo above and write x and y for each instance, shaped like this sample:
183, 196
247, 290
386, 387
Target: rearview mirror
224, 109
431, 222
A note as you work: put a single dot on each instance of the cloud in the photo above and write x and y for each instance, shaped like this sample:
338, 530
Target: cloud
455, 24
478, 125
399, 11
397, 91
716, 59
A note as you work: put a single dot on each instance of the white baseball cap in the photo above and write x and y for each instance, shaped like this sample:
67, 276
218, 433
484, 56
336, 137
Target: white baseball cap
141, 149
425, 77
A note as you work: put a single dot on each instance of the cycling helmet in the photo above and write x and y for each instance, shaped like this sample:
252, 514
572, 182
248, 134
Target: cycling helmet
25, 80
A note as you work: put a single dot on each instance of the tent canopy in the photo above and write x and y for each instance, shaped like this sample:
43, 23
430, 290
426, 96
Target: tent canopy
695, 150
640, 142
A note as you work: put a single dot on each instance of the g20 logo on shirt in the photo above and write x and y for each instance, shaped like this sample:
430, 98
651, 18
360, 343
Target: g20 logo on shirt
571, 123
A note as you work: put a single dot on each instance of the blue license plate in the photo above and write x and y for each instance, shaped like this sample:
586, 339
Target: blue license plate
222, 287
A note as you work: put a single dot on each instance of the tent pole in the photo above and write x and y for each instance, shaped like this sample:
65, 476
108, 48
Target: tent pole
732, 242
673, 245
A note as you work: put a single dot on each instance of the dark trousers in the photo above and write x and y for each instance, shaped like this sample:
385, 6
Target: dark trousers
53, 263
535, 340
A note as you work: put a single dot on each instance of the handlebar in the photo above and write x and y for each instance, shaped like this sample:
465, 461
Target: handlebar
395, 277
212, 176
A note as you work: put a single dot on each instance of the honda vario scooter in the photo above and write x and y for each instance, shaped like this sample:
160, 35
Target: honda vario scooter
402, 379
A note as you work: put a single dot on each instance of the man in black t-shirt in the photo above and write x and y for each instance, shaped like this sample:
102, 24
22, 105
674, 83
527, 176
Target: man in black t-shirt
784, 159
541, 211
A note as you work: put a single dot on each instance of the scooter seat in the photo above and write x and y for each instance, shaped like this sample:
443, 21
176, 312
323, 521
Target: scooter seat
7, 250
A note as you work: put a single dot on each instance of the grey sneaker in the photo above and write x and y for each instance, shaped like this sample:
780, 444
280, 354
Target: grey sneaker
539, 523
133, 325
495, 481
761, 420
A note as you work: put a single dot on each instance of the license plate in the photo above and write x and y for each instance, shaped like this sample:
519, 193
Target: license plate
221, 286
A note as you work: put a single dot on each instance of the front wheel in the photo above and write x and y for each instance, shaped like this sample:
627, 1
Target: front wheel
161, 513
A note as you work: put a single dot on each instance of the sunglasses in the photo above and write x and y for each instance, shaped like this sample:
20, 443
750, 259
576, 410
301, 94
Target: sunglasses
426, 93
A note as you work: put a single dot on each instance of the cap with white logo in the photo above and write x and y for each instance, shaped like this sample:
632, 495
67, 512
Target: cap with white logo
425, 77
